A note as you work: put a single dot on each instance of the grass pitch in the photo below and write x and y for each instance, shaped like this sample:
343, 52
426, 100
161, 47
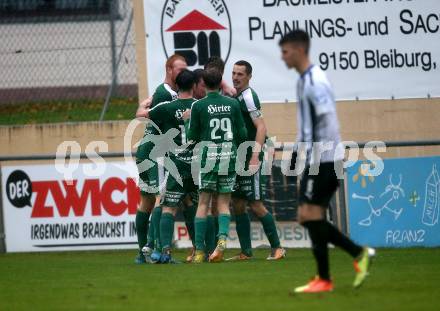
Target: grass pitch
66, 111
108, 280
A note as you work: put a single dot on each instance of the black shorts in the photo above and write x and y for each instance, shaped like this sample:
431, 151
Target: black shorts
318, 189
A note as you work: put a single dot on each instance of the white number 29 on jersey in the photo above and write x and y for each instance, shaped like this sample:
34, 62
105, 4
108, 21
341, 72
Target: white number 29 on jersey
221, 124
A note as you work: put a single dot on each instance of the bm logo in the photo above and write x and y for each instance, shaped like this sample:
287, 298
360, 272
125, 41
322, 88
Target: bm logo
197, 30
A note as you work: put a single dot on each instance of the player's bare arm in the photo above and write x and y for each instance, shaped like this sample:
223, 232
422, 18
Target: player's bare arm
143, 107
260, 138
186, 115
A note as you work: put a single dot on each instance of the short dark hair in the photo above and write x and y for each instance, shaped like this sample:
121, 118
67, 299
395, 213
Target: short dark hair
212, 78
297, 36
217, 63
198, 74
185, 80
245, 64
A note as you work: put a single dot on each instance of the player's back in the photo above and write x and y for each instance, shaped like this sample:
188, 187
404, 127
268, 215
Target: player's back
216, 120
170, 115
217, 116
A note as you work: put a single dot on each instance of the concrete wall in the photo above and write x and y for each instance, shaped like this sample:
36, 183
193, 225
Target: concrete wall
360, 121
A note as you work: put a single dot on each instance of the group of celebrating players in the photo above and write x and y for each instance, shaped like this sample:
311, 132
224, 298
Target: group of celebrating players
213, 120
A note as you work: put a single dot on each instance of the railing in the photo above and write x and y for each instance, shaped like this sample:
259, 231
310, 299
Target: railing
47, 157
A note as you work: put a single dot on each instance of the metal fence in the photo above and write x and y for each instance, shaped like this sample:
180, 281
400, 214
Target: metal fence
58, 50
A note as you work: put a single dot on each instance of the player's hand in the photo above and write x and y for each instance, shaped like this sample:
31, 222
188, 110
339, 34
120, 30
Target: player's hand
187, 114
254, 163
228, 90
141, 112
146, 103
143, 107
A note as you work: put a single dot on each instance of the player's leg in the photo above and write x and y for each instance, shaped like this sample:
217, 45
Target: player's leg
224, 220
242, 220
191, 202
157, 182
211, 231
200, 223
146, 205
167, 232
270, 229
225, 186
207, 186
153, 235
243, 227
362, 255
142, 224
214, 228
172, 199
321, 233
311, 216
214, 212
315, 194
189, 213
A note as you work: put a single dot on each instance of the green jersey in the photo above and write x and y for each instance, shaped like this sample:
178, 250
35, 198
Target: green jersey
152, 177
163, 93
217, 120
251, 109
169, 115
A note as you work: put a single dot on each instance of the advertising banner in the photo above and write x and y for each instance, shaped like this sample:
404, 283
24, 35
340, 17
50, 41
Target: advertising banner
399, 208
370, 49
45, 212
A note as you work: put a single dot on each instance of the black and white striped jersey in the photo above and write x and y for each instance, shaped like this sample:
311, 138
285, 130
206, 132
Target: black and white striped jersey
318, 125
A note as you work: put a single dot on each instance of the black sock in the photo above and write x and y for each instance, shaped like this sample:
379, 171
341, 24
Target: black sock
318, 235
337, 238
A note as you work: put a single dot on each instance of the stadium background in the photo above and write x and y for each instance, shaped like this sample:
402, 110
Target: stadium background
57, 68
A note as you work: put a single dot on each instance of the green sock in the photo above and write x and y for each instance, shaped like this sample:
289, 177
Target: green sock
189, 213
224, 220
271, 230
155, 222
210, 236
200, 229
142, 228
150, 238
216, 229
166, 230
243, 226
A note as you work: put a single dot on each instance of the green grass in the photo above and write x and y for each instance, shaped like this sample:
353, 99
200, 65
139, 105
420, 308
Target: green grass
66, 111
400, 280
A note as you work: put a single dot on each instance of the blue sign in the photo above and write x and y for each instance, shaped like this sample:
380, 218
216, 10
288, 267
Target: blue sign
398, 208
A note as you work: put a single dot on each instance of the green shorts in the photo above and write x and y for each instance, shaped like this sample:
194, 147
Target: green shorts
251, 188
152, 180
214, 182
175, 193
